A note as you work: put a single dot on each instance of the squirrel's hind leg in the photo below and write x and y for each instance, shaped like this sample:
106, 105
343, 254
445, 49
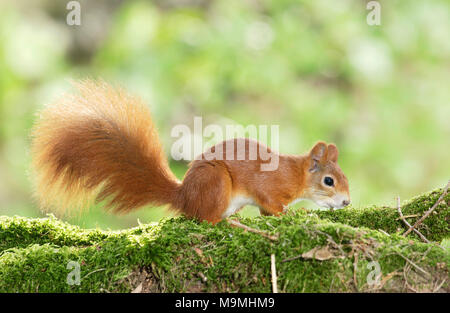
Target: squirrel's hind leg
206, 191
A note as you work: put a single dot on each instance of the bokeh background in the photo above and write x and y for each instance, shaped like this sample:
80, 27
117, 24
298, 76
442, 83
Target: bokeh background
316, 68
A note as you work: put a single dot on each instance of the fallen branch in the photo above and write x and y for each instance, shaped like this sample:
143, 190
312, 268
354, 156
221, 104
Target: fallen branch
429, 211
407, 223
253, 230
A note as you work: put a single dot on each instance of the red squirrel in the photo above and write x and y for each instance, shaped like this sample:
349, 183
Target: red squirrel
101, 144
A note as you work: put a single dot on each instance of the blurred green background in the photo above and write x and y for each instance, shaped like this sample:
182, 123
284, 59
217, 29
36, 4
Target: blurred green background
316, 68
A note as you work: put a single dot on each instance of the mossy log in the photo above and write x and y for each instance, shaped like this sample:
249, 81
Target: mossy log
435, 227
314, 252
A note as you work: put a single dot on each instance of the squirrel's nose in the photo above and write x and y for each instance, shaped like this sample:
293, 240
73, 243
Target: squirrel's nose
345, 202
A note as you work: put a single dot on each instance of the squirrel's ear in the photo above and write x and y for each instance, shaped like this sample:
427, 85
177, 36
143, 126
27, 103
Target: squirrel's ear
332, 153
316, 155
317, 152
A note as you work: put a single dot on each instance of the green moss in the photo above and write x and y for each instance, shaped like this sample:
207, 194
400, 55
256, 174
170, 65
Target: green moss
435, 227
173, 253
20, 232
177, 254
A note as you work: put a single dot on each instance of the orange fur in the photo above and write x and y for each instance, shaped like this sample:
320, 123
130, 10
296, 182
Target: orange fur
100, 144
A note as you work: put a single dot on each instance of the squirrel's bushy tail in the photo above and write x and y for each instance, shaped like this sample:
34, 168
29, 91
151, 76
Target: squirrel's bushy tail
99, 144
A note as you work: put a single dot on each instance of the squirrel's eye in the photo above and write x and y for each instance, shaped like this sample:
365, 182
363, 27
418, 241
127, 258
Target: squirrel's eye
328, 181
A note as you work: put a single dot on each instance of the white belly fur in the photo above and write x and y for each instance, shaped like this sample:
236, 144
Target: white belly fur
236, 203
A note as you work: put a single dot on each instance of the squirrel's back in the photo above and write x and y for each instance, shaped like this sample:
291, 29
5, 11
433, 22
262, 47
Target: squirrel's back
99, 144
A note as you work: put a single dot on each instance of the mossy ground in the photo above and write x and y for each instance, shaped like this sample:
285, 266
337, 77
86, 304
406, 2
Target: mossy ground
181, 255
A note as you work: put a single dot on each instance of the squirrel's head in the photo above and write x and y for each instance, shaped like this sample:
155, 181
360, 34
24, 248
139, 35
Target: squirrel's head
326, 184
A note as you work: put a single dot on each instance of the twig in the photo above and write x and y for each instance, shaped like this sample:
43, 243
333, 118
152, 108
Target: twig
425, 254
399, 209
407, 216
292, 259
262, 233
405, 276
355, 269
429, 211
203, 277
386, 278
382, 231
413, 264
274, 273
98, 270
331, 240
440, 285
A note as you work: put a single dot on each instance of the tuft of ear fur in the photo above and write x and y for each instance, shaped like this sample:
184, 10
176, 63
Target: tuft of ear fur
332, 153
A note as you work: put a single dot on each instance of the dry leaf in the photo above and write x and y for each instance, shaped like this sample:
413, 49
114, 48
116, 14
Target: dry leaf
199, 252
319, 253
138, 289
